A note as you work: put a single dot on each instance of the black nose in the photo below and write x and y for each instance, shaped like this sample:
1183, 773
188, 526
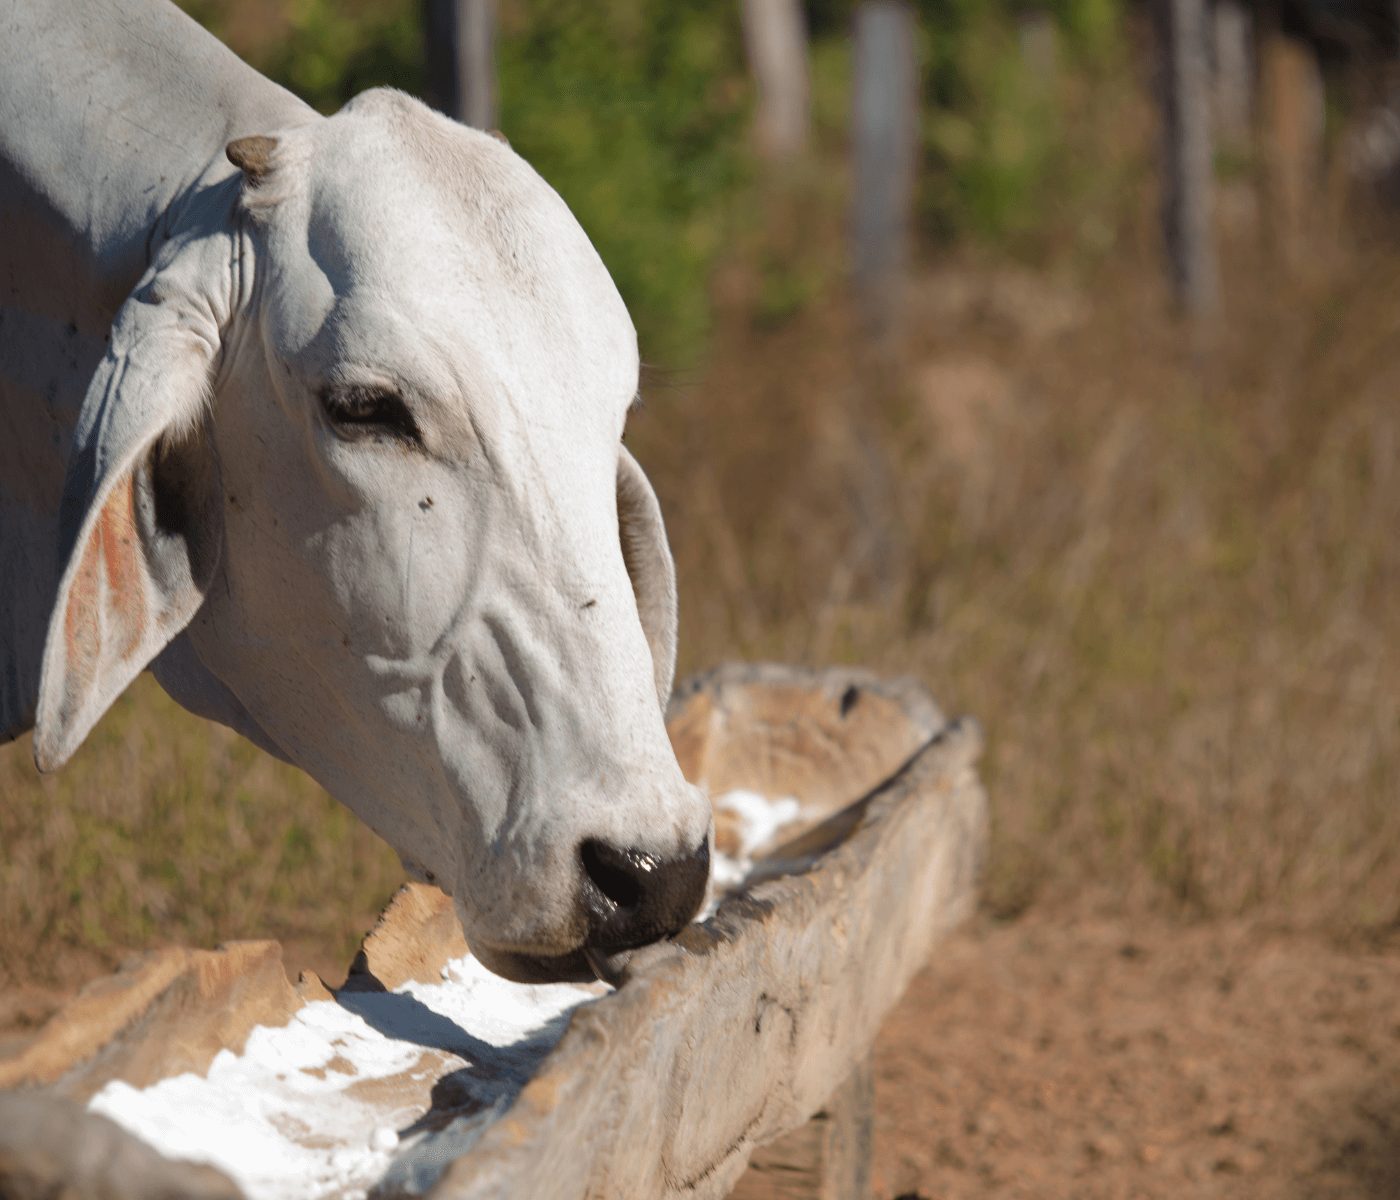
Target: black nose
634, 898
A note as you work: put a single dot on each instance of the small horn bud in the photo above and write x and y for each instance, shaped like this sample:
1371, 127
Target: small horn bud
253, 156
499, 136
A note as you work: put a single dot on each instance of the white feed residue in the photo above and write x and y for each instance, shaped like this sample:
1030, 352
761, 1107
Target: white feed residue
332, 1103
316, 1107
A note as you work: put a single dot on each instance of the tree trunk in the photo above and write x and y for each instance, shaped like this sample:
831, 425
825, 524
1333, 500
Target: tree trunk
775, 37
1188, 175
1233, 77
885, 130
1294, 103
1038, 41
460, 37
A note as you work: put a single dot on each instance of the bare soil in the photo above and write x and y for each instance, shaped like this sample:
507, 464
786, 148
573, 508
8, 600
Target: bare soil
1112, 1058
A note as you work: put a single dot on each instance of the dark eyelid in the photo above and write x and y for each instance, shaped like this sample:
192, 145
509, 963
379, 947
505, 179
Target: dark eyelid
368, 409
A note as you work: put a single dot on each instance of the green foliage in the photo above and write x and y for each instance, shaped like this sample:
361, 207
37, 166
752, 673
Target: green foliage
165, 827
990, 135
333, 51
1000, 118
633, 111
1091, 27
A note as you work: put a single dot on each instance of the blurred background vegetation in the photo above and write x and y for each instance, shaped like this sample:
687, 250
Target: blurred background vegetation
1165, 575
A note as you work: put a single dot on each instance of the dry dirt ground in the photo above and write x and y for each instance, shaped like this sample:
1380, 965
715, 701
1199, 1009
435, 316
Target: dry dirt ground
1119, 1059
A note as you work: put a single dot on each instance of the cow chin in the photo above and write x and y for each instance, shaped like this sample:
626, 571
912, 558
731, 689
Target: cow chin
533, 965
573, 967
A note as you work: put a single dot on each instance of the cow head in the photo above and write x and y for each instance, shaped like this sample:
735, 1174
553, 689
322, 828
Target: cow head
352, 477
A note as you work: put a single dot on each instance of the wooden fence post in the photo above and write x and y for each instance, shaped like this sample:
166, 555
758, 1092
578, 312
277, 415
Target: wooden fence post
1189, 170
460, 37
775, 38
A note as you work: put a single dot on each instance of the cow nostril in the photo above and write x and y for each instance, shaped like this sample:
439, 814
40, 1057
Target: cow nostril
632, 898
618, 874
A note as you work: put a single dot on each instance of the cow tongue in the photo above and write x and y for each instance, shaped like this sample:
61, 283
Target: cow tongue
608, 967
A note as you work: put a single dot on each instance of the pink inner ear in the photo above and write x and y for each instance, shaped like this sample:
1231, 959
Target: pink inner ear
113, 551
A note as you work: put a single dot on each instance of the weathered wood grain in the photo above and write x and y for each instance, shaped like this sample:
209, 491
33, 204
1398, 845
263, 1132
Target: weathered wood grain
167, 1011
826, 1159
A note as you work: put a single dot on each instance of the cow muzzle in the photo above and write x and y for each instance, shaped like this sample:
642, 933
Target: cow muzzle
630, 899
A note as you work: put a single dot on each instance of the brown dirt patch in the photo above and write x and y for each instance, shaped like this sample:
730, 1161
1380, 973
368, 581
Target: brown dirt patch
1117, 1059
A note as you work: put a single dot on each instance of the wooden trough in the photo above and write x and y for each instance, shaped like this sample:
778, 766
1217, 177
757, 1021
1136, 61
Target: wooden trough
747, 1037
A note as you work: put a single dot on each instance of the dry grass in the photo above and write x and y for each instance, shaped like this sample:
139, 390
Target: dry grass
166, 828
1168, 585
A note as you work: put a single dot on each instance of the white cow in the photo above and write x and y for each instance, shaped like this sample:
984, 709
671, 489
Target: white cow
320, 419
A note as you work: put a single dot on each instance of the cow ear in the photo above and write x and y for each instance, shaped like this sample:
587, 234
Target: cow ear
140, 528
647, 554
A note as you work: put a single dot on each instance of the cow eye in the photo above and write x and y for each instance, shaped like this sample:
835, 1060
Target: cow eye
356, 411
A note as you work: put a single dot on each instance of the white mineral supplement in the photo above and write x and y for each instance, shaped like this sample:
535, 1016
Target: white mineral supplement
298, 1116
760, 820
295, 1116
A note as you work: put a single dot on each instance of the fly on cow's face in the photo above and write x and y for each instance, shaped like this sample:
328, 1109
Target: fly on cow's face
357, 410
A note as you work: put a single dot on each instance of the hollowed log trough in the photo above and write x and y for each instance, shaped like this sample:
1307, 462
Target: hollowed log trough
747, 1037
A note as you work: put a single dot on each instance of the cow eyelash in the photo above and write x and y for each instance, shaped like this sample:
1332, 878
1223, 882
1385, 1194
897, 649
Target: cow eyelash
356, 410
